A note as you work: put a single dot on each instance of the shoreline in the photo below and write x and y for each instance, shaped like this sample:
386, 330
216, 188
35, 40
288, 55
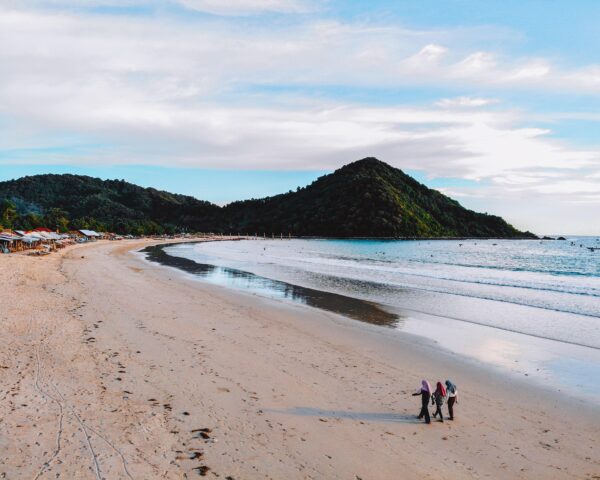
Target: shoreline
309, 237
178, 263
145, 358
418, 323
355, 308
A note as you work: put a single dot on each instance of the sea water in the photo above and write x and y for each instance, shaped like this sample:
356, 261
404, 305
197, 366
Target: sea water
530, 305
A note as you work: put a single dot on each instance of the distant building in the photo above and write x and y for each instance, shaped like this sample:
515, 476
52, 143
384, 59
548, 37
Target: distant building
10, 242
90, 235
19, 240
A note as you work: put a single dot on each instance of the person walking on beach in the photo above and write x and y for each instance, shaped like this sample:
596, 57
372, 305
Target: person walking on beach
438, 400
452, 394
425, 392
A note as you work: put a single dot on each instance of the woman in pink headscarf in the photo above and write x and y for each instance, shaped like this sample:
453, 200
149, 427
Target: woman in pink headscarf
425, 392
438, 400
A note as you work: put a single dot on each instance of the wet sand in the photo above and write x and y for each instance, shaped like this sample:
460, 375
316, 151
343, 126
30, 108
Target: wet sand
112, 367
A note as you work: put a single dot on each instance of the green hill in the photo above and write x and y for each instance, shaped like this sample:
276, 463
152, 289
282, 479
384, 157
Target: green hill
75, 201
367, 198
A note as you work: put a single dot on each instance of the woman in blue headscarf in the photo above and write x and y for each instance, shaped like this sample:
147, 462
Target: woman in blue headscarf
452, 395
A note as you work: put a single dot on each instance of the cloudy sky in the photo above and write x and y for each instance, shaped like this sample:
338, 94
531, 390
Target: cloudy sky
495, 103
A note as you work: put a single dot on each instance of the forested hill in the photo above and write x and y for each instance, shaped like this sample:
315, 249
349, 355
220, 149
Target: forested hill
367, 198
75, 202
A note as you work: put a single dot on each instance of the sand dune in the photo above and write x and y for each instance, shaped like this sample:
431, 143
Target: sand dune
111, 367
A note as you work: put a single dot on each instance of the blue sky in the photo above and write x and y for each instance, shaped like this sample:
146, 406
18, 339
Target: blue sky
494, 103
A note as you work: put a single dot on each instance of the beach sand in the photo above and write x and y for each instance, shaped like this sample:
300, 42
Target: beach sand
112, 367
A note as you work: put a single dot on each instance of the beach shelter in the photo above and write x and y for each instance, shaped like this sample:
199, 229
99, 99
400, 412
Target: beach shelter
9, 242
90, 234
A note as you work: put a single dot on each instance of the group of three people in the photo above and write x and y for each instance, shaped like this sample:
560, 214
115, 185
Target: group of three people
437, 398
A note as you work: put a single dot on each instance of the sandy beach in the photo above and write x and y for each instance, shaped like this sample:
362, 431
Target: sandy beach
112, 367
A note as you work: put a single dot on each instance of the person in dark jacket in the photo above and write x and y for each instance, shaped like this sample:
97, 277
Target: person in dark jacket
425, 392
438, 400
452, 394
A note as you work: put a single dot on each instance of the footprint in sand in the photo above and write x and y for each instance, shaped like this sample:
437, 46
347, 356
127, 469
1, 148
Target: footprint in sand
202, 470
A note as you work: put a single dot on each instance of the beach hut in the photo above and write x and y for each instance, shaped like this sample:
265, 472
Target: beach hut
10, 242
90, 235
29, 240
5, 242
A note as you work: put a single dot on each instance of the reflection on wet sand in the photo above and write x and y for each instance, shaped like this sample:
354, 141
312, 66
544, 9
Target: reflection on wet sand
332, 302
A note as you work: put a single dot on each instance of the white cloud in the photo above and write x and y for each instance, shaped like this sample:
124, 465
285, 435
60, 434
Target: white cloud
125, 81
587, 78
216, 7
50, 4
478, 63
247, 7
428, 54
543, 213
531, 71
466, 102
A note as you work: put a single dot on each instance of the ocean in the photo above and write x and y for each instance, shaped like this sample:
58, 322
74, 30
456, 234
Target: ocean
532, 306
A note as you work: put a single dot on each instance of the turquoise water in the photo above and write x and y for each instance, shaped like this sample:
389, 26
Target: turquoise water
548, 289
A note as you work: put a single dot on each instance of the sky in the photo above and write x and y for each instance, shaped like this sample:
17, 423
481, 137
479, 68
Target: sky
496, 103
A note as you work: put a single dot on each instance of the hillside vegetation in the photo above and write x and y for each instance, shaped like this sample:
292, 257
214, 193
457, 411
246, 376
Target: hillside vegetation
75, 202
367, 198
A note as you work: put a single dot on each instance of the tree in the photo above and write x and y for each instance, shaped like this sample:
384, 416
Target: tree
30, 221
8, 214
57, 219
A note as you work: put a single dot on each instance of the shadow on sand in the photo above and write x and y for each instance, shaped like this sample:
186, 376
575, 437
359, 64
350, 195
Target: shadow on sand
341, 414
